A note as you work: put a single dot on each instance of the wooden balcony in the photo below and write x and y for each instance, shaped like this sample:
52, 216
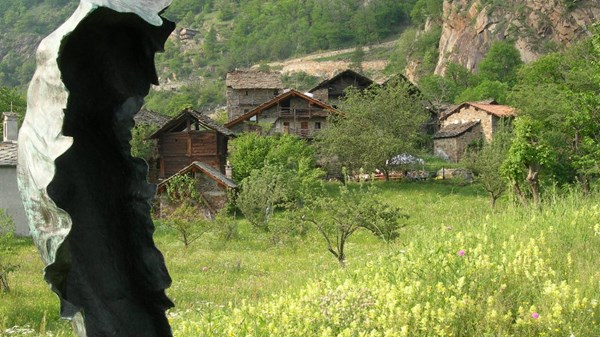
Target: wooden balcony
301, 113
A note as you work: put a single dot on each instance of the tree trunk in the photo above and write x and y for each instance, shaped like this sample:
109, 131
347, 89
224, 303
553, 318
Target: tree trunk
534, 184
493, 199
519, 193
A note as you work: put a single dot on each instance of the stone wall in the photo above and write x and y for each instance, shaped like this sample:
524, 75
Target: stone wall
240, 101
469, 114
453, 148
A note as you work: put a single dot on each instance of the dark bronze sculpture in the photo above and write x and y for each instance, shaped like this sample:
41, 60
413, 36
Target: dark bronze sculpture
86, 197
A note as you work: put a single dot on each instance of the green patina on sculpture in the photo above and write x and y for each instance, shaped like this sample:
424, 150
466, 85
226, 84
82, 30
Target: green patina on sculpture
86, 197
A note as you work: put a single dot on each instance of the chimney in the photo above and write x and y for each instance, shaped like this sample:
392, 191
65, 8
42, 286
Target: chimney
229, 170
10, 127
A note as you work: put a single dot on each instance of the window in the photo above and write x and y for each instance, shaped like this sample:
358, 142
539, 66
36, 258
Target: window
317, 125
275, 92
253, 119
246, 92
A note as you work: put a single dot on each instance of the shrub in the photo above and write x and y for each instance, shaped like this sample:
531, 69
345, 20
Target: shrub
7, 228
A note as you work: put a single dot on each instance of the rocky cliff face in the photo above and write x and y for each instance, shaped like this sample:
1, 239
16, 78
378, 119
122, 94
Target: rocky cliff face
536, 26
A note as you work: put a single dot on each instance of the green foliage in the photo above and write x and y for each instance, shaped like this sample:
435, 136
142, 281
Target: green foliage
187, 222
485, 90
438, 89
500, 63
182, 213
252, 151
141, 146
204, 94
338, 218
487, 162
12, 100
557, 130
263, 192
378, 124
299, 80
419, 46
7, 265
182, 188
427, 9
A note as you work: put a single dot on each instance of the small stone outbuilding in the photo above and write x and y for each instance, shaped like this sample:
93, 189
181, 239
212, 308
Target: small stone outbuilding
452, 141
247, 89
466, 123
213, 187
10, 197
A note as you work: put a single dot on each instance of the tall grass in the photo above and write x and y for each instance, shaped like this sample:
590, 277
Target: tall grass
521, 272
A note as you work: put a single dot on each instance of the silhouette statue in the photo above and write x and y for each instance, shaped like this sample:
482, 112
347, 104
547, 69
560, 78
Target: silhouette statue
87, 199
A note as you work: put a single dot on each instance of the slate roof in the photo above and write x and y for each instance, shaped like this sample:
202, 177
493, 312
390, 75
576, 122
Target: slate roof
208, 170
253, 79
454, 130
276, 100
8, 154
325, 84
488, 106
204, 120
147, 117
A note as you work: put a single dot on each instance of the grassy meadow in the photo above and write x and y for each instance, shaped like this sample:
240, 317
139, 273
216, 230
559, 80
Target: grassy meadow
458, 269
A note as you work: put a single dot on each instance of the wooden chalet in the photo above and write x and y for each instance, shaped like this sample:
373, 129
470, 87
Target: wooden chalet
247, 89
332, 90
213, 187
292, 112
149, 119
191, 137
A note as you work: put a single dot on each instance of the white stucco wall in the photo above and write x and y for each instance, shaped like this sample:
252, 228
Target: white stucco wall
10, 199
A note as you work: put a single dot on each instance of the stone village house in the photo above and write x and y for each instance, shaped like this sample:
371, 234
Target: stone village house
467, 123
214, 188
10, 197
291, 112
247, 89
332, 90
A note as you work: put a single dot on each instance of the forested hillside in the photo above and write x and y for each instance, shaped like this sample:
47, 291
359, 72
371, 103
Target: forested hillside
212, 37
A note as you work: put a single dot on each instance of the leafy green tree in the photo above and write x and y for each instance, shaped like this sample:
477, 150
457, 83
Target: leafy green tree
487, 163
376, 125
252, 151
338, 218
182, 212
485, 90
500, 63
557, 132
141, 146
12, 100
437, 89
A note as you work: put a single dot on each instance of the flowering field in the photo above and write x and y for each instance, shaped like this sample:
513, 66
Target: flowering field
459, 269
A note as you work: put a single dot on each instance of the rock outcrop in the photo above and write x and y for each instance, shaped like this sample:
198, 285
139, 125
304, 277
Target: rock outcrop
536, 26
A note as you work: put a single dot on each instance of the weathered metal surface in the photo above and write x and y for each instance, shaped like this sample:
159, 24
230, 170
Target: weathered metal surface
86, 198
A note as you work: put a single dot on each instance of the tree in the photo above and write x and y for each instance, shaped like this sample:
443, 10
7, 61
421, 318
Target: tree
183, 215
437, 89
500, 63
486, 89
12, 100
557, 131
487, 162
376, 125
252, 151
141, 146
338, 218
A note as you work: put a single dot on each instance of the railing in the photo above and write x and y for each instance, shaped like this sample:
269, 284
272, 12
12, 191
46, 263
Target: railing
303, 133
300, 113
